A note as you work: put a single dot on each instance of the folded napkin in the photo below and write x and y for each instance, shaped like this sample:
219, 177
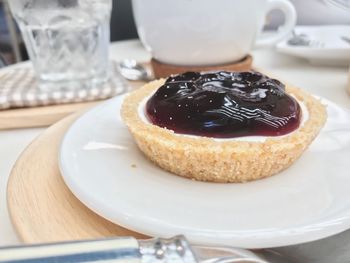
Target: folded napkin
19, 89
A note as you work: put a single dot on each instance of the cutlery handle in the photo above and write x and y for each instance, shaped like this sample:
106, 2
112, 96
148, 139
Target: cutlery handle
108, 250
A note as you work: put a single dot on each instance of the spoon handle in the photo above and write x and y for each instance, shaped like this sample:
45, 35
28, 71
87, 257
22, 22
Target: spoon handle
107, 250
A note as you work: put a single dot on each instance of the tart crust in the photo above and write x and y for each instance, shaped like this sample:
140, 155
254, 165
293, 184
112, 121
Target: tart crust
227, 161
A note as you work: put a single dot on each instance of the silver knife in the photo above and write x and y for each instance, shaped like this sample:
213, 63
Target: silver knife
126, 249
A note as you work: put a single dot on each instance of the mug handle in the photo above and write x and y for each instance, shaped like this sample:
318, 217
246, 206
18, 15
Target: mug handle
290, 21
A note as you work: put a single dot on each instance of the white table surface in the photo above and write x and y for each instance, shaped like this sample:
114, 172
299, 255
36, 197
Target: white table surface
329, 82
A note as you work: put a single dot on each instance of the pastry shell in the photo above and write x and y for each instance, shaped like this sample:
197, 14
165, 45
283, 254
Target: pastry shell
222, 161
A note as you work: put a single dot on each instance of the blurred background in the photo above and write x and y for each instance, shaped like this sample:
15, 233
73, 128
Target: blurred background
310, 12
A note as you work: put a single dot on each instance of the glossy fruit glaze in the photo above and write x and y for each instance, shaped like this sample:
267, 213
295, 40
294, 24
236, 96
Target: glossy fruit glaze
224, 105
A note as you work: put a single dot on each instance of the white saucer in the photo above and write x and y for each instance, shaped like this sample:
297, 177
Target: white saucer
333, 51
311, 200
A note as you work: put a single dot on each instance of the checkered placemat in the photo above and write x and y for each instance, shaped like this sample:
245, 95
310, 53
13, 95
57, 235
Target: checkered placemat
19, 89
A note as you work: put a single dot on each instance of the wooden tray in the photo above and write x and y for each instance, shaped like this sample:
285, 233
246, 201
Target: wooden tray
44, 116
162, 70
41, 206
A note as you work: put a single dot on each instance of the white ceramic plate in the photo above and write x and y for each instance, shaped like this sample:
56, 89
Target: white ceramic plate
104, 168
332, 49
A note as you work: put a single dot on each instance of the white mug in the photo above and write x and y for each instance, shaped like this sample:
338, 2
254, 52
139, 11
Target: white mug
207, 32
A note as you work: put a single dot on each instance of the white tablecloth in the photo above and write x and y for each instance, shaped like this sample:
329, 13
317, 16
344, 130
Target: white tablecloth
329, 82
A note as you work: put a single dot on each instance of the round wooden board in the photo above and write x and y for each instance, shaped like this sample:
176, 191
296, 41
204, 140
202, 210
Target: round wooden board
46, 115
38, 116
41, 206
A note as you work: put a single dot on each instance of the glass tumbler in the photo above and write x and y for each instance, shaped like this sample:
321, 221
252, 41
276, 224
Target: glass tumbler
67, 40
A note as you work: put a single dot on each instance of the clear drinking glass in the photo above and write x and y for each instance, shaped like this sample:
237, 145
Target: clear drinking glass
67, 40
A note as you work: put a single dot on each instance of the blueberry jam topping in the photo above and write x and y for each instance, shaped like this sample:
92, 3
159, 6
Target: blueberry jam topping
224, 105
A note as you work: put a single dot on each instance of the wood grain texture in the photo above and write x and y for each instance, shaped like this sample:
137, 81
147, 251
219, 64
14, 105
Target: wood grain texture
38, 116
46, 115
41, 206
162, 70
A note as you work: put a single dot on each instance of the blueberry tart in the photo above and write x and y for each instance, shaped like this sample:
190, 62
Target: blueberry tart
224, 127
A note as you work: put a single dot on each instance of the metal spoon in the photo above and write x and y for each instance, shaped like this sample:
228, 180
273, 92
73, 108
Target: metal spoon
132, 70
346, 39
304, 40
